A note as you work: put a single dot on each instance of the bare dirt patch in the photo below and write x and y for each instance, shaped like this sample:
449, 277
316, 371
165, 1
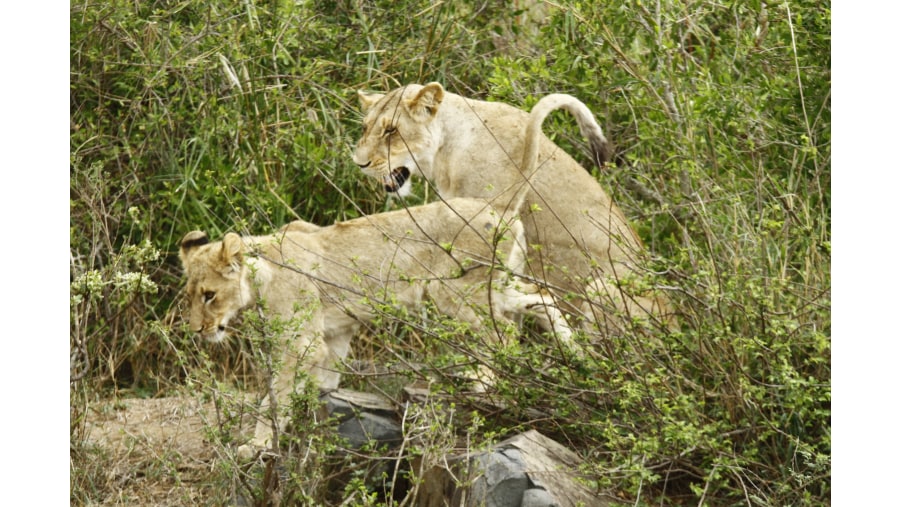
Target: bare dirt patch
156, 451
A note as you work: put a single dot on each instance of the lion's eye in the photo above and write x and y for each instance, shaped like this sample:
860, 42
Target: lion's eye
208, 296
390, 130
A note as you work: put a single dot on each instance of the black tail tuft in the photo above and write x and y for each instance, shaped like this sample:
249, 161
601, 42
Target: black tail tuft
601, 150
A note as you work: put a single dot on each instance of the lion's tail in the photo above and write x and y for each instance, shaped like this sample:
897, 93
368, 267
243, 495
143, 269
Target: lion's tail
589, 127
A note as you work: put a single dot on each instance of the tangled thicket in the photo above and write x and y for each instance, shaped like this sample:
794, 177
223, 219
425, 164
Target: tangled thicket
241, 116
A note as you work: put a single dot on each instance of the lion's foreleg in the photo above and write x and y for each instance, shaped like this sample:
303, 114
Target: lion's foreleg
520, 298
304, 357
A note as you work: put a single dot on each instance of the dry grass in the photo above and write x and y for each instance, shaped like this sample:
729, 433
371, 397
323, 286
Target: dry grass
150, 452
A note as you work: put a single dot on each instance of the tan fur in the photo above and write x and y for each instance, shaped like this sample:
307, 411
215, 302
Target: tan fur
299, 226
329, 277
579, 242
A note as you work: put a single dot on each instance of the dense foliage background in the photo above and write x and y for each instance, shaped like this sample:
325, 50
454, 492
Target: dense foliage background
241, 115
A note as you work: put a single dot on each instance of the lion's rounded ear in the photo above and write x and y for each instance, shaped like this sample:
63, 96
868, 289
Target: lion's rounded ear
190, 241
427, 100
367, 100
232, 246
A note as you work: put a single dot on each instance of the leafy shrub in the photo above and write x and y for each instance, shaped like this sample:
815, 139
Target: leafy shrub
242, 115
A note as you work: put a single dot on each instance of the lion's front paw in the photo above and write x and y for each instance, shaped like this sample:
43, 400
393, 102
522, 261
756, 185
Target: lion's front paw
252, 449
483, 379
248, 452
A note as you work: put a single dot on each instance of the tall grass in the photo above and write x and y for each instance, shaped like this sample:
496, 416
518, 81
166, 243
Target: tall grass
242, 116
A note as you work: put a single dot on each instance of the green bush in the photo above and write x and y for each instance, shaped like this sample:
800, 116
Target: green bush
242, 116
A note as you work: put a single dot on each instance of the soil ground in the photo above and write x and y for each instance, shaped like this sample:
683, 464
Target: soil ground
156, 451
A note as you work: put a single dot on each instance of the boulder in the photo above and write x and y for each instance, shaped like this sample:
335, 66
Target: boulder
363, 417
527, 470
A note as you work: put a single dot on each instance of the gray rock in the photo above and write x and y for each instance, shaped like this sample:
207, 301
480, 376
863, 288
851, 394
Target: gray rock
363, 417
503, 479
535, 497
344, 403
527, 470
358, 430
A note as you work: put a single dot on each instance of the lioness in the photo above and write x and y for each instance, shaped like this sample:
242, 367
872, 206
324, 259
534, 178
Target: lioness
579, 242
455, 256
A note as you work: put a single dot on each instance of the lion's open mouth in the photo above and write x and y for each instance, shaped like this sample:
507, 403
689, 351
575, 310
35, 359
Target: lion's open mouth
395, 180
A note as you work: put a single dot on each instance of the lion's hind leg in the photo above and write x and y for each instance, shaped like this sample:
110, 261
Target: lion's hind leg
610, 307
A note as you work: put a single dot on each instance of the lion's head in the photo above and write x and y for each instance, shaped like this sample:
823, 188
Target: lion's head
216, 285
396, 141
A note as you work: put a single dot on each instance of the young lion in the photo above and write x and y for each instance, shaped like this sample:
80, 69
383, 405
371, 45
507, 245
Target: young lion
455, 256
578, 241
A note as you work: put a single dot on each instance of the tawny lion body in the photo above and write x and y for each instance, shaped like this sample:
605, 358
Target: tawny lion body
578, 241
332, 278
